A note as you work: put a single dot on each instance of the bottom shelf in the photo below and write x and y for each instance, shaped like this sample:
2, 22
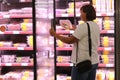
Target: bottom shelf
18, 75
102, 74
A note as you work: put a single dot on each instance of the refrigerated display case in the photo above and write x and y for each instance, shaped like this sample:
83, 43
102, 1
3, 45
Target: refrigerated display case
107, 40
69, 10
44, 42
108, 20
16, 42
117, 39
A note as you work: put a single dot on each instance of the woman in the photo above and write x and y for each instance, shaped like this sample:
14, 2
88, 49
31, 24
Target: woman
80, 36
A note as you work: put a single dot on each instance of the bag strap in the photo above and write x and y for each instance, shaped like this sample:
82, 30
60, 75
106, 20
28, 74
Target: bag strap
89, 42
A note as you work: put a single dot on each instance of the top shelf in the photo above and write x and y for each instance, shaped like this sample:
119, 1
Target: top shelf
78, 15
16, 16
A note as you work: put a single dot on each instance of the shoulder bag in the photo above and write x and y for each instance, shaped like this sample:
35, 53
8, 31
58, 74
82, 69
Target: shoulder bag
85, 65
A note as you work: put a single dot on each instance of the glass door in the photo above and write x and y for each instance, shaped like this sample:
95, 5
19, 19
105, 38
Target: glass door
16, 42
69, 11
44, 42
106, 21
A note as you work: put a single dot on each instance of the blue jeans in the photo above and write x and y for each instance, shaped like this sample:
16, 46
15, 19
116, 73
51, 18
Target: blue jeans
90, 75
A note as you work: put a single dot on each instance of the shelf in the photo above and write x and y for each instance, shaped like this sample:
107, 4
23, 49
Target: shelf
16, 48
65, 31
17, 16
16, 64
71, 31
99, 48
65, 15
64, 64
106, 65
78, 15
71, 64
19, 2
107, 31
16, 32
64, 48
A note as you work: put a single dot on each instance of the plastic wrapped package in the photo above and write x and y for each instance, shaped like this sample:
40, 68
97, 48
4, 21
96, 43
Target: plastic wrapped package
101, 75
25, 59
15, 11
27, 10
30, 40
8, 58
20, 45
46, 72
13, 27
26, 26
6, 43
66, 24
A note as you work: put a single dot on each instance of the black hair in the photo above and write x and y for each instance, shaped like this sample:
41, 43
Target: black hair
90, 12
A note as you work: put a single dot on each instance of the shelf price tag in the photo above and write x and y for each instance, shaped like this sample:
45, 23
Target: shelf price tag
78, 15
1, 32
109, 65
24, 64
110, 14
8, 64
108, 48
6, 16
98, 14
20, 48
71, 64
16, 32
71, 31
64, 15
110, 31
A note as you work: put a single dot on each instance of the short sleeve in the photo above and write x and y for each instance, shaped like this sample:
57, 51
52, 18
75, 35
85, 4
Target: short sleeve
80, 31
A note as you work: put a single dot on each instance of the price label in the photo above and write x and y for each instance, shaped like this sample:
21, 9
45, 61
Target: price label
71, 31
1, 32
77, 15
8, 64
16, 32
98, 14
71, 64
20, 48
110, 14
65, 15
24, 64
109, 49
110, 31
109, 65
6, 16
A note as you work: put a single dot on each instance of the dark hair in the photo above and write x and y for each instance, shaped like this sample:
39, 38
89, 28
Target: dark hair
90, 12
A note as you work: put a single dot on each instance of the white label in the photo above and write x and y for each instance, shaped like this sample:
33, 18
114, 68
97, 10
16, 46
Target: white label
109, 65
24, 64
71, 64
8, 64
1, 32
78, 15
71, 31
22, 0
20, 48
98, 14
108, 48
6, 16
65, 15
110, 31
16, 32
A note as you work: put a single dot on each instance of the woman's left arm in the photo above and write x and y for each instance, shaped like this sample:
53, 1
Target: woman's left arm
69, 40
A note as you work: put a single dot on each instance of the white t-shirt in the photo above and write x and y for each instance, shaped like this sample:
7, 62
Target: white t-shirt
81, 33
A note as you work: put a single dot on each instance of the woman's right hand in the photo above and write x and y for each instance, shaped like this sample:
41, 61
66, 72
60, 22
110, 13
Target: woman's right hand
52, 32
